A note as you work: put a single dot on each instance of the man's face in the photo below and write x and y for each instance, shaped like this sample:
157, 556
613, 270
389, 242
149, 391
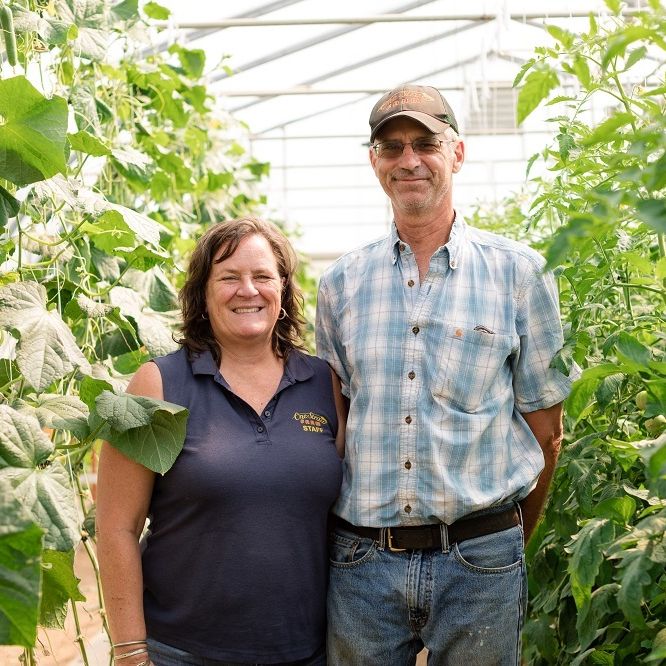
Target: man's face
416, 182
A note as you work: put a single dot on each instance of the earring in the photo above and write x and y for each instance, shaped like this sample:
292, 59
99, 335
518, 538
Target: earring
283, 313
204, 316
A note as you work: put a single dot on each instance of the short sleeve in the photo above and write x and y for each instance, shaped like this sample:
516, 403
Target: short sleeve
536, 384
327, 336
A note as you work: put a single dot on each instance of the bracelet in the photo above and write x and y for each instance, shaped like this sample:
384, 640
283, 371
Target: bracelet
132, 653
126, 643
144, 663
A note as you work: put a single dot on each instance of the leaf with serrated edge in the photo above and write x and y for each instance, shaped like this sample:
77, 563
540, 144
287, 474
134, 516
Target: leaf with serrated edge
59, 586
61, 412
60, 188
47, 349
88, 143
123, 412
155, 331
158, 293
141, 225
32, 136
536, 88
155, 328
20, 550
49, 498
155, 446
22, 442
92, 19
149, 431
42, 487
50, 29
635, 577
587, 556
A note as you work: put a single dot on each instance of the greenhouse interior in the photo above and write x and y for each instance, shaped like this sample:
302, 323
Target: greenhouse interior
129, 129
304, 85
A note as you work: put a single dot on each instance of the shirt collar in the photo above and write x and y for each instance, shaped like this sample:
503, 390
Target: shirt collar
297, 367
456, 241
203, 363
453, 246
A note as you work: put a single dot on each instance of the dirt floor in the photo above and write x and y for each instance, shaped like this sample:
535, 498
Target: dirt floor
59, 647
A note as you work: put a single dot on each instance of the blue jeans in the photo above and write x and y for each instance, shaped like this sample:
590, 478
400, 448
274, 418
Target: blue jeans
464, 602
167, 655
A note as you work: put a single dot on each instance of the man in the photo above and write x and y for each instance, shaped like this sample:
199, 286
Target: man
442, 336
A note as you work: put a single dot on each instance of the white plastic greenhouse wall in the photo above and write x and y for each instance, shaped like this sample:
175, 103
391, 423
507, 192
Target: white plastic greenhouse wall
304, 75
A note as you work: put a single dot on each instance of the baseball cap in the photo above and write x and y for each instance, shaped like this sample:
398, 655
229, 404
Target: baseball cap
424, 104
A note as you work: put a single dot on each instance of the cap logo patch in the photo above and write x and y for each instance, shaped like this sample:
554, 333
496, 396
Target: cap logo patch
406, 98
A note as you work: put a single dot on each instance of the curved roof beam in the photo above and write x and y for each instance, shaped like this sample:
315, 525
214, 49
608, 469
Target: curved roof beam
204, 32
381, 18
294, 48
459, 63
375, 58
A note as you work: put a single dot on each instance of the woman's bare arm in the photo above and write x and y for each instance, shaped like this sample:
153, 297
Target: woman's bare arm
124, 488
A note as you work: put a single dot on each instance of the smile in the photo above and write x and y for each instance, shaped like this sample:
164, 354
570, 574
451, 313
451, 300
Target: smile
246, 310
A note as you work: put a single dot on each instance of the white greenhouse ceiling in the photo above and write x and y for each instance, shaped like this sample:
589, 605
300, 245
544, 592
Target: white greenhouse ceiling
304, 74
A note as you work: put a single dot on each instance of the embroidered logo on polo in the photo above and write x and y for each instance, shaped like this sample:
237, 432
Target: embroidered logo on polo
311, 422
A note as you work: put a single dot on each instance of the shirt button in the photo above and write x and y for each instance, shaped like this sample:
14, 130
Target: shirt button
408, 465
260, 428
415, 330
402, 247
411, 374
452, 263
267, 413
410, 283
408, 419
408, 509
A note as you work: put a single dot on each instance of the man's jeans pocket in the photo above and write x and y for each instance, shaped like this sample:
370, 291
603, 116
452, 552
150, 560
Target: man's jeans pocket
492, 553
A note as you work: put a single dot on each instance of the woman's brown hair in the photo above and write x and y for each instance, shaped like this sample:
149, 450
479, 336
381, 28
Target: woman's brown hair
197, 335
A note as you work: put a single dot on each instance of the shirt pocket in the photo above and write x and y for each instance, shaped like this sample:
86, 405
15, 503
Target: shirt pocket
473, 366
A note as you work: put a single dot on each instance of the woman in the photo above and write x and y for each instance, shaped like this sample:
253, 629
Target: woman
234, 567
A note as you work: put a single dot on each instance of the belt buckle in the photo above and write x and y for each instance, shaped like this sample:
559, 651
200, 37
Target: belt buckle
389, 538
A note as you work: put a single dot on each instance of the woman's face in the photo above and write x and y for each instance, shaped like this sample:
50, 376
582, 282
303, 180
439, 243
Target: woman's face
243, 293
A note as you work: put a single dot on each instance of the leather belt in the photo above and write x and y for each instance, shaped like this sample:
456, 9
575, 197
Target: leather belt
430, 536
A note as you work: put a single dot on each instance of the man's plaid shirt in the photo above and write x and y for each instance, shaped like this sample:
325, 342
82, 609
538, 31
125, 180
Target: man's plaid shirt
438, 374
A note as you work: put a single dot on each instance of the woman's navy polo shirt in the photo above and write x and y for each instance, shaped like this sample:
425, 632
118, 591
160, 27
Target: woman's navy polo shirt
235, 566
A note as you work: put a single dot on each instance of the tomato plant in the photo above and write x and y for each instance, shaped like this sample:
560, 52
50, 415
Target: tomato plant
597, 562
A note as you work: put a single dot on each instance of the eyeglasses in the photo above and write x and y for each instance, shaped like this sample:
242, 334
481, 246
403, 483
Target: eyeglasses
425, 146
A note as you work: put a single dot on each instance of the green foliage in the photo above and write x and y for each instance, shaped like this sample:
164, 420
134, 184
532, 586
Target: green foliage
121, 165
20, 553
46, 349
597, 562
60, 586
38, 481
539, 83
32, 136
150, 431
